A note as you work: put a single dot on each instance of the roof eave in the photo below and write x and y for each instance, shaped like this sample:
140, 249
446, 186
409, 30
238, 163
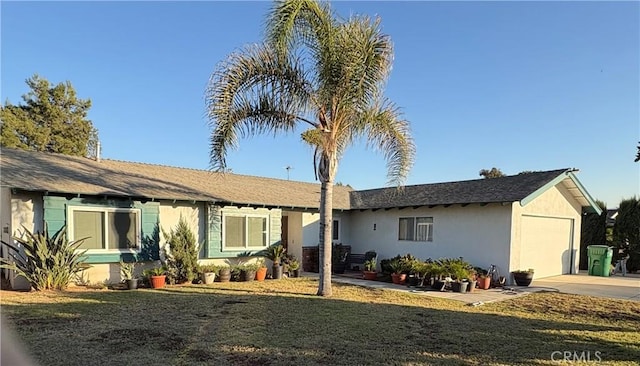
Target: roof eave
568, 174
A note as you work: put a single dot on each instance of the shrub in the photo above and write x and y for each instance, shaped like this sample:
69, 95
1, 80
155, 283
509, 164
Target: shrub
211, 268
48, 263
182, 256
626, 232
370, 265
385, 264
127, 270
275, 253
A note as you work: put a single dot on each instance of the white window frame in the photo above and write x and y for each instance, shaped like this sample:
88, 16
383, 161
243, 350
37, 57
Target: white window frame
105, 210
339, 230
246, 231
430, 229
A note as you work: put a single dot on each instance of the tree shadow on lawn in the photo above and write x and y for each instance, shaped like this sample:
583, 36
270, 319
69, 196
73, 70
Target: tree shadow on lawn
191, 326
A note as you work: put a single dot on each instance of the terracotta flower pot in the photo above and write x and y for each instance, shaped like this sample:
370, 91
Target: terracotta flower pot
158, 281
370, 275
484, 283
261, 274
398, 278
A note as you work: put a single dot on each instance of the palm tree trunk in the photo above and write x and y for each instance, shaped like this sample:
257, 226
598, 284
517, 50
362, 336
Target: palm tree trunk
326, 222
326, 173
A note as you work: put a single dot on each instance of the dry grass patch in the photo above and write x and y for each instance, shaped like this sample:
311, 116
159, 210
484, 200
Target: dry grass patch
284, 323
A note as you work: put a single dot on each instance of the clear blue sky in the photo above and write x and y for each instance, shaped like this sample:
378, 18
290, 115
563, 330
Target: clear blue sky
515, 85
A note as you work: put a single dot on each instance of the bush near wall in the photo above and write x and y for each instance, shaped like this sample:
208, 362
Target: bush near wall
626, 232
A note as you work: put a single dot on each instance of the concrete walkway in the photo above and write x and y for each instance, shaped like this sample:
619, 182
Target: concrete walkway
616, 287
477, 297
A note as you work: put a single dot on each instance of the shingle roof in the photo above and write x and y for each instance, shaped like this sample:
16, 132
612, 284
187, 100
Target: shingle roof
56, 173
505, 189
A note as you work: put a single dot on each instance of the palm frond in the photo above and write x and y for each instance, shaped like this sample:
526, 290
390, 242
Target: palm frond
385, 130
254, 91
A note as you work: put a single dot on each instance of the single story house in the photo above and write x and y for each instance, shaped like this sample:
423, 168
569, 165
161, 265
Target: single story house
517, 222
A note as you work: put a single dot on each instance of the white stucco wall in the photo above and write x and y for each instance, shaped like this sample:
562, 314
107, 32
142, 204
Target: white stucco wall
311, 227
479, 234
556, 202
109, 273
26, 212
192, 213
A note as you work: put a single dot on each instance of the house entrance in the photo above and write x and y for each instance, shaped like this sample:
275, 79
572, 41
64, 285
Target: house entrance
284, 232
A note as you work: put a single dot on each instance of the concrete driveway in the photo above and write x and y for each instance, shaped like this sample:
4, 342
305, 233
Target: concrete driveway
617, 287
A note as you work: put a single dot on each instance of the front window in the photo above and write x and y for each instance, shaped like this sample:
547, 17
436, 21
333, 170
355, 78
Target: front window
335, 230
105, 228
244, 231
415, 228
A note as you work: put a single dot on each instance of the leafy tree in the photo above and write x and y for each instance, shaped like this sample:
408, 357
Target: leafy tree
52, 119
493, 173
593, 232
322, 72
626, 231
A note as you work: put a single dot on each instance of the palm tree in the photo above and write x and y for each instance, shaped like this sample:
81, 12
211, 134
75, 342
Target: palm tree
319, 71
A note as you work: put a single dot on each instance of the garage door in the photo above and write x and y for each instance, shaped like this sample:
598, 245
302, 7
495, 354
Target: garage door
546, 245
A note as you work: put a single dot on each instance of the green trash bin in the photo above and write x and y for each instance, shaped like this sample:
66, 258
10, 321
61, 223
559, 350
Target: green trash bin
599, 260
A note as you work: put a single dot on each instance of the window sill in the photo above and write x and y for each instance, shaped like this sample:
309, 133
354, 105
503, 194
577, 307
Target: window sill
244, 249
111, 251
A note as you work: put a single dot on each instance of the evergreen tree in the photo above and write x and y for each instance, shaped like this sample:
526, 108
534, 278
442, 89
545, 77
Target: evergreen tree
626, 231
182, 254
52, 119
593, 232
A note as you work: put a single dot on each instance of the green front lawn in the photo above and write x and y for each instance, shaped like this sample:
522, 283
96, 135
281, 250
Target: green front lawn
284, 323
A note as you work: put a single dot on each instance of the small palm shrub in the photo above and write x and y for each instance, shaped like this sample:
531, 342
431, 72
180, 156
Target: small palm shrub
48, 263
370, 265
182, 256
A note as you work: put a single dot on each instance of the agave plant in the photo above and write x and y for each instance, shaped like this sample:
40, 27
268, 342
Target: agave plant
48, 263
275, 253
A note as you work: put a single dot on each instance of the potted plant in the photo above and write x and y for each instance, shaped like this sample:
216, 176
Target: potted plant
423, 272
248, 272
483, 281
275, 254
461, 274
158, 277
397, 268
413, 267
127, 272
523, 278
208, 273
369, 272
261, 272
437, 271
294, 268
224, 274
